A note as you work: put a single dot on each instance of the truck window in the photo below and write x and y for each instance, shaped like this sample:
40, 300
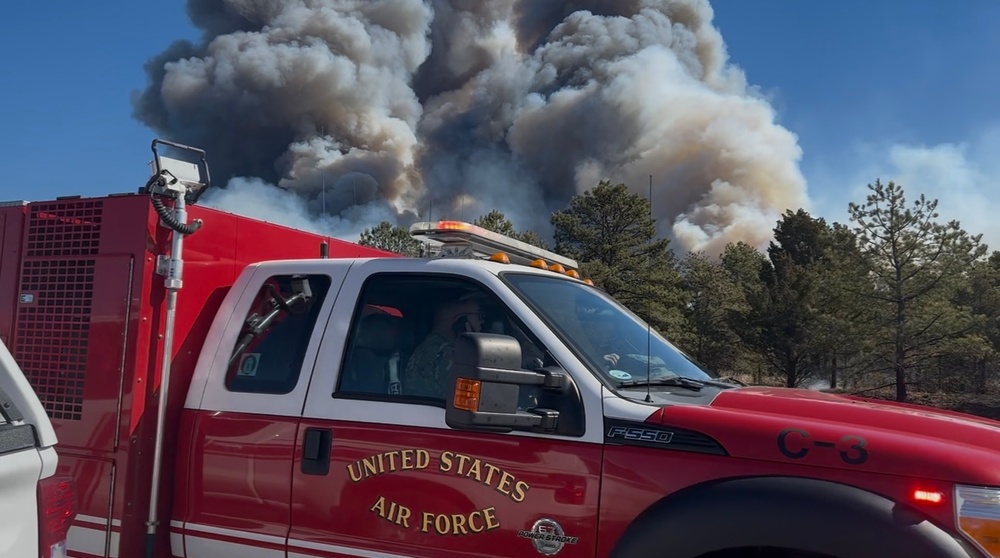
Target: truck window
595, 325
399, 345
269, 351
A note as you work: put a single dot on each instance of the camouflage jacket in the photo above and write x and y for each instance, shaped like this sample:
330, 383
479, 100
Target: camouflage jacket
428, 368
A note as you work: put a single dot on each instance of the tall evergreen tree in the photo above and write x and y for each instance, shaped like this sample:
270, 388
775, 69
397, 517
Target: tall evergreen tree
611, 232
847, 321
711, 296
781, 323
981, 346
742, 264
913, 261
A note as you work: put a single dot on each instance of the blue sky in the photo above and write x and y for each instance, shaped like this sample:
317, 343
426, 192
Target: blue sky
65, 111
897, 89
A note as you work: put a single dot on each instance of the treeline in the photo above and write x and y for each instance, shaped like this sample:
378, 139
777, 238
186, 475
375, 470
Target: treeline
894, 299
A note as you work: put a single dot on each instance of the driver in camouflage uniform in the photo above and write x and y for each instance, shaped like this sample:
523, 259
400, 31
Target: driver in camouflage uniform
428, 369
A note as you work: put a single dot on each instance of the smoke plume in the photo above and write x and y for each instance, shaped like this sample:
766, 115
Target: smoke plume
361, 110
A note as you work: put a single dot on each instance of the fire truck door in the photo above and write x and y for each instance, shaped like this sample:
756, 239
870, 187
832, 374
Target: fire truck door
243, 432
379, 473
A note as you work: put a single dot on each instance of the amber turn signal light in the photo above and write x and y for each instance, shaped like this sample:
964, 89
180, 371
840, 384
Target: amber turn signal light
467, 394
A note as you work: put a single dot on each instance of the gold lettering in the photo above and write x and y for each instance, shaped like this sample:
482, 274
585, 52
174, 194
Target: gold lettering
379, 506
504, 485
490, 470
350, 471
396, 513
371, 467
474, 470
446, 461
494, 477
458, 525
426, 518
441, 524
520, 488
462, 460
491, 518
423, 459
403, 517
460, 464
473, 516
389, 462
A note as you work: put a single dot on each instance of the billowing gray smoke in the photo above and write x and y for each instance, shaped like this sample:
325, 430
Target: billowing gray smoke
363, 110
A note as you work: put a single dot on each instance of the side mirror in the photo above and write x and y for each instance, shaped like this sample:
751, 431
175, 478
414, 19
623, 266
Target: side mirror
485, 386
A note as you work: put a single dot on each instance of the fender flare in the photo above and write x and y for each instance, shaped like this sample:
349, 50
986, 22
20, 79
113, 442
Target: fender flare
791, 512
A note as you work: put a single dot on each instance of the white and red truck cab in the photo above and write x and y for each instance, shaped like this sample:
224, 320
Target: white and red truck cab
297, 421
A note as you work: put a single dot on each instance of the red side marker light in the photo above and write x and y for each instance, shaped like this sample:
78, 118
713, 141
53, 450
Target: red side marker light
928, 496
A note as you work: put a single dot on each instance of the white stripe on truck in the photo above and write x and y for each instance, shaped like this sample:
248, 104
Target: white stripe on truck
88, 538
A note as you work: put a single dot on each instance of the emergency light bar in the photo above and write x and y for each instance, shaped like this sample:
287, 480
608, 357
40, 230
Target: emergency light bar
456, 239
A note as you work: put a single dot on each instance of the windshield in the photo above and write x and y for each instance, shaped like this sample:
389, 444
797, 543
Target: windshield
609, 337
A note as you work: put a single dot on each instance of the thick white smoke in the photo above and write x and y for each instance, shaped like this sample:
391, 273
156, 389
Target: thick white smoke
374, 109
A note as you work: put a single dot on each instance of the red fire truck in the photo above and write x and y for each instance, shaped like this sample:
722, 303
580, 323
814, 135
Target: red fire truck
223, 386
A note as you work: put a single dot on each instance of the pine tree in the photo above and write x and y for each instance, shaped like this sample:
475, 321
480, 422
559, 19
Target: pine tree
611, 232
497, 222
391, 238
711, 295
913, 261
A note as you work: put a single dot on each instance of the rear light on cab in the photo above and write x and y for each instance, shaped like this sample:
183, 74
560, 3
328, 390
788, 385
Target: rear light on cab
56, 511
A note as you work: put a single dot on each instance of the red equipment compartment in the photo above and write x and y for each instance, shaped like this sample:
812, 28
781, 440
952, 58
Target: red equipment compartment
82, 309
11, 227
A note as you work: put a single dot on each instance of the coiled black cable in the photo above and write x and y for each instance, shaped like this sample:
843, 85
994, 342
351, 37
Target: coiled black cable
164, 213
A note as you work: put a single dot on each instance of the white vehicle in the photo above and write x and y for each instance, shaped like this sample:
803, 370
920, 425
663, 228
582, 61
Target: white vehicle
36, 506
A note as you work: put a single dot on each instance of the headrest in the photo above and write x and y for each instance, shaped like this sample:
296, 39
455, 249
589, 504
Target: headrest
378, 332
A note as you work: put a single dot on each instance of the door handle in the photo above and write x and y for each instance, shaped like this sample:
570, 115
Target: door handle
316, 451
